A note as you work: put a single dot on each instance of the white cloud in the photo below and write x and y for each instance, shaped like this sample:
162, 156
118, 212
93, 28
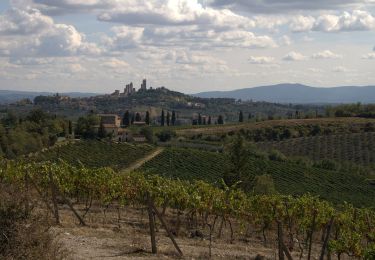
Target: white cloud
283, 6
285, 40
315, 70
261, 60
302, 23
172, 12
340, 69
356, 20
326, 54
369, 56
114, 63
294, 56
25, 22
30, 33
188, 36
74, 68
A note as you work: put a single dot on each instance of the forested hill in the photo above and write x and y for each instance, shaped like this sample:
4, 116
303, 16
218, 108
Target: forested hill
11, 96
298, 94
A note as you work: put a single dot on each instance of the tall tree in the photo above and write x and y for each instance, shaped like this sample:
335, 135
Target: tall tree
70, 127
173, 117
240, 117
250, 116
147, 119
101, 131
168, 118
126, 119
132, 119
199, 119
162, 119
138, 117
220, 120
238, 155
209, 120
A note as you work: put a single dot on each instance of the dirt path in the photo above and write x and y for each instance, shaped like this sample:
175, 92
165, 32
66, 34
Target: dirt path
143, 160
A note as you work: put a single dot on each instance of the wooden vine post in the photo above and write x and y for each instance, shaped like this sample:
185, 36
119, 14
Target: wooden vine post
313, 224
326, 239
280, 240
151, 221
54, 198
152, 211
27, 198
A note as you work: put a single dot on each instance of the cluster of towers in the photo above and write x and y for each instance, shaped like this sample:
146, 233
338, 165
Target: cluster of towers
130, 89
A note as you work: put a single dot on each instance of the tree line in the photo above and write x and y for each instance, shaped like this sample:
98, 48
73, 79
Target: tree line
21, 135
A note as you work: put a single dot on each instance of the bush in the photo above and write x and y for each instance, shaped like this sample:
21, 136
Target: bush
277, 156
327, 165
23, 235
264, 185
166, 135
148, 133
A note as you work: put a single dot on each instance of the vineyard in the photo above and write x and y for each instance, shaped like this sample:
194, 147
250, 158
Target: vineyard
358, 148
300, 225
97, 154
338, 125
290, 178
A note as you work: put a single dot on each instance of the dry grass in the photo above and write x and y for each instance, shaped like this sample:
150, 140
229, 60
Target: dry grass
24, 234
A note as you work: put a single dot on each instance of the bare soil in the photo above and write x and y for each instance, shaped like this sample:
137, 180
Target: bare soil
107, 236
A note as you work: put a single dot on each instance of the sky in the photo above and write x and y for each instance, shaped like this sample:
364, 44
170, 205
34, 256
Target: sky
185, 45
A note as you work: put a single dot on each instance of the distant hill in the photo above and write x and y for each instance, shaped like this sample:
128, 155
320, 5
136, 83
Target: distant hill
298, 94
10, 96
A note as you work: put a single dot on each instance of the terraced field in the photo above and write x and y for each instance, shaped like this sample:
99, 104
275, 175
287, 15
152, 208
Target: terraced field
289, 178
98, 154
358, 148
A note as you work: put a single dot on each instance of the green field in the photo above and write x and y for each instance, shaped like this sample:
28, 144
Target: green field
97, 154
358, 148
289, 178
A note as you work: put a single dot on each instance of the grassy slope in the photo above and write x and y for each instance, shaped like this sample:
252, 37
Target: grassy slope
289, 178
358, 148
98, 154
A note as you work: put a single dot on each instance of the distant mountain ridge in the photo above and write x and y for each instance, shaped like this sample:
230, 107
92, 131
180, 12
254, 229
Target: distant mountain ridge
11, 96
298, 94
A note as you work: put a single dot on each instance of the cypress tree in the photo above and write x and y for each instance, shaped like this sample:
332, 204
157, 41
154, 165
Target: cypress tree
133, 119
101, 131
162, 119
126, 119
220, 120
240, 118
199, 119
70, 127
209, 120
168, 119
138, 117
147, 119
173, 117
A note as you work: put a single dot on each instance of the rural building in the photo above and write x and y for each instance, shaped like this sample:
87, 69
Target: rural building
139, 139
110, 119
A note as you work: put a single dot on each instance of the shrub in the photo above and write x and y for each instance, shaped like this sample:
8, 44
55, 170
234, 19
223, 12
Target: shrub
166, 135
22, 234
264, 185
275, 155
327, 165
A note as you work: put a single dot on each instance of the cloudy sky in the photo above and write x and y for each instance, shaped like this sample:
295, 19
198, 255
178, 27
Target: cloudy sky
185, 45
